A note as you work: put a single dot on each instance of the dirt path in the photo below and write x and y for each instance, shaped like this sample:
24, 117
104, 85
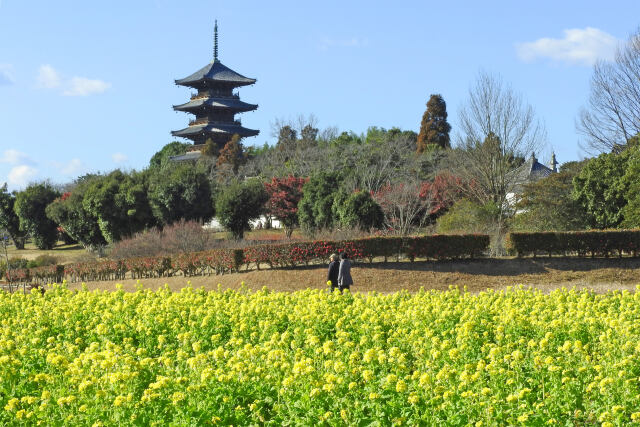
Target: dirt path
477, 275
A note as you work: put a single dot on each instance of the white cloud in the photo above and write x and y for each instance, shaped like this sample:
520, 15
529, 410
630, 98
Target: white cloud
355, 42
73, 167
14, 157
20, 176
119, 158
81, 86
6, 75
579, 46
48, 77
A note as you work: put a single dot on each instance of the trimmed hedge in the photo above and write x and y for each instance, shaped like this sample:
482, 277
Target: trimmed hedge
433, 247
581, 243
220, 261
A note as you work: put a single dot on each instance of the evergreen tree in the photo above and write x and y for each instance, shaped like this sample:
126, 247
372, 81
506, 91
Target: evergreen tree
232, 154
210, 148
239, 203
174, 148
30, 207
434, 129
9, 219
287, 138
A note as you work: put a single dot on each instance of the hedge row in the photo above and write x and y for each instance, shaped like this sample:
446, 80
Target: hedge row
581, 243
220, 261
433, 247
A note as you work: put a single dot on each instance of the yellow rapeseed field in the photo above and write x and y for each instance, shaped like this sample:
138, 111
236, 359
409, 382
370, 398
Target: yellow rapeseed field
518, 357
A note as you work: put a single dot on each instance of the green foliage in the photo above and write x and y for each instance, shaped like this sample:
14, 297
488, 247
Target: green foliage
9, 219
41, 261
78, 222
466, 216
315, 208
345, 139
175, 148
210, 148
631, 181
434, 129
239, 203
287, 138
601, 190
358, 210
595, 243
548, 205
119, 202
180, 192
30, 207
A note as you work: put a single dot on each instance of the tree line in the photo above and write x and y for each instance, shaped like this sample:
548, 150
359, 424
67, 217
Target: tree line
387, 179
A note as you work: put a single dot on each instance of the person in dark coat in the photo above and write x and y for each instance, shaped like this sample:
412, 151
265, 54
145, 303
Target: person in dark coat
332, 274
344, 273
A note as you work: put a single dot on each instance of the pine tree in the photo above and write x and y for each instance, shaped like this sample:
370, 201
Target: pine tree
434, 128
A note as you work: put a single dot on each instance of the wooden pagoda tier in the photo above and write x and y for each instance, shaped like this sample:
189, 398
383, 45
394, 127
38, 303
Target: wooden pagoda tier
215, 104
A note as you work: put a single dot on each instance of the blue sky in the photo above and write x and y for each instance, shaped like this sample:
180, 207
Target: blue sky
88, 86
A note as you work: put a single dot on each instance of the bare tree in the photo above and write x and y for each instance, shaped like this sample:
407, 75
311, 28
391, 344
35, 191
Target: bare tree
403, 207
4, 235
612, 115
384, 163
497, 129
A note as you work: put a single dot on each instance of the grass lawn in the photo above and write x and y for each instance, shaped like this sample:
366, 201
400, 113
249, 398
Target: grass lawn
64, 253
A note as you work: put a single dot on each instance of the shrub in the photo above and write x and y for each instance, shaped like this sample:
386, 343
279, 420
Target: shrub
181, 236
42, 260
595, 243
359, 210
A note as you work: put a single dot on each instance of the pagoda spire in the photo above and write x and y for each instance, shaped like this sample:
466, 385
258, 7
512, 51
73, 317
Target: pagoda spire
215, 41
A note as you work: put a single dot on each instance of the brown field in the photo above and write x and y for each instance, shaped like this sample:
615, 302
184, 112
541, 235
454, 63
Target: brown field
546, 274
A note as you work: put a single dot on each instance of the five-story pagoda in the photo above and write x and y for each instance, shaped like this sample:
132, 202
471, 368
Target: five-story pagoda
215, 104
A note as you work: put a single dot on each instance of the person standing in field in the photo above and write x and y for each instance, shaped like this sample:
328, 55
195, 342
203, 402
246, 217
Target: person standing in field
332, 274
344, 273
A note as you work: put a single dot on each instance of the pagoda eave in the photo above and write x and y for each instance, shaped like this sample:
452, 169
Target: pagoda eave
226, 104
220, 129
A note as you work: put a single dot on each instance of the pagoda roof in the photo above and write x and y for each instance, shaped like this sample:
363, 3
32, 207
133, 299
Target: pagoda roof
221, 103
224, 128
215, 72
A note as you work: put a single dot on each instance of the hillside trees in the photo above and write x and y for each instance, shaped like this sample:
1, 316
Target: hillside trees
9, 219
284, 196
548, 205
180, 192
357, 210
434, 129
600, 189
612, 115
239, 203
315, 207
69, 212
403, 207
30, 207
119, 203
497, 129
232, 156
175, 148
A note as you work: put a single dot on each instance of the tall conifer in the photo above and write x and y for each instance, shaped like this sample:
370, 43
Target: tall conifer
434, 128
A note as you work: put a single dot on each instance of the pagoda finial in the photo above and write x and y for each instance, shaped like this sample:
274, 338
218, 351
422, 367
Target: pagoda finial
215, 41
